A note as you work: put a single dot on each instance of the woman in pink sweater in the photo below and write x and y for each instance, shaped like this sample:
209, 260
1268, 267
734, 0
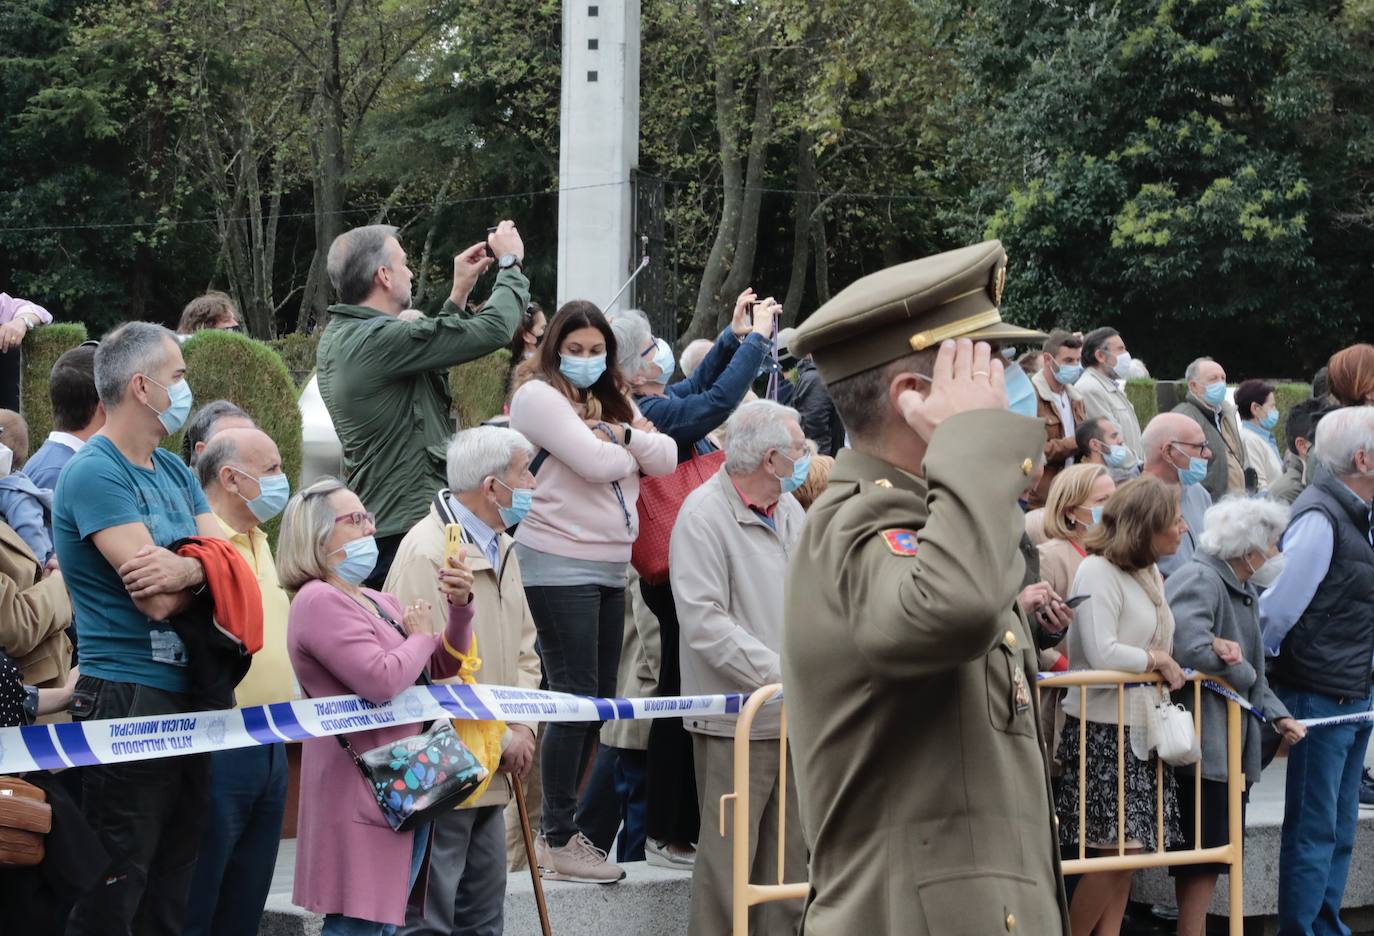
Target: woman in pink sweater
345, 639
574, 548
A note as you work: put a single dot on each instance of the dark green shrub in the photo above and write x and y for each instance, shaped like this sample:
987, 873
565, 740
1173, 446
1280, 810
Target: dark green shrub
224, 366
42, 347
297, 351
1141, 392
1288, 395
479, 388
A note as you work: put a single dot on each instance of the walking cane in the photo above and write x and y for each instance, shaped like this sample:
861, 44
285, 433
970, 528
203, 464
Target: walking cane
519, 789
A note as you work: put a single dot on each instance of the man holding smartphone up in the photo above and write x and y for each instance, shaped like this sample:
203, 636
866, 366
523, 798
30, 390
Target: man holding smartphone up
384, 378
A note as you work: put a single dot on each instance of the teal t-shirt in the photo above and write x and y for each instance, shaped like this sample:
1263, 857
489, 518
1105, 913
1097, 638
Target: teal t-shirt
99, 489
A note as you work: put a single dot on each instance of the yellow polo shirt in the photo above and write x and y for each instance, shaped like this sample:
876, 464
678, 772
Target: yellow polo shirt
270, 678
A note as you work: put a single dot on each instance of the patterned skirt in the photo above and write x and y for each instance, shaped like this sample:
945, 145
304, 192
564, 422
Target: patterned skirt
1101, 792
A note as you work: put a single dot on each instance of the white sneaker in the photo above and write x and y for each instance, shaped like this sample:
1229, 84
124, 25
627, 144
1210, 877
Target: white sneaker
662, 855
579, 861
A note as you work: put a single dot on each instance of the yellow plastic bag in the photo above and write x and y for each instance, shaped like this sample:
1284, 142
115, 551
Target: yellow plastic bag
483, 738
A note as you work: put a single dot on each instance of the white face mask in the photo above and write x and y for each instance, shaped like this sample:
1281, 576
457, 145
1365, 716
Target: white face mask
1266, 575
6, 460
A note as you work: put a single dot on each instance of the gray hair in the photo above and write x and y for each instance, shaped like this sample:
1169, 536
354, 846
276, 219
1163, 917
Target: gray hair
306, 525
1342, 434
1235, 526
1191, 373
693, 355
132, 348
755, 428
480, 453
219, 451
354, 259
632, 333
201, 427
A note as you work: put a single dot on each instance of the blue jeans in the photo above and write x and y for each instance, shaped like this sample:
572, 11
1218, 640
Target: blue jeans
1322, 807
614, 801
336, 924
239, 849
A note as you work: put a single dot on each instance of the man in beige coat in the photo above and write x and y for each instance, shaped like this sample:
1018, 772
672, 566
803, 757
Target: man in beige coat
489, 477
728, 566
923, 783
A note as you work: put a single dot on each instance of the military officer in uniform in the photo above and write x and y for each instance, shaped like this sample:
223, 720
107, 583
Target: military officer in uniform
922, 783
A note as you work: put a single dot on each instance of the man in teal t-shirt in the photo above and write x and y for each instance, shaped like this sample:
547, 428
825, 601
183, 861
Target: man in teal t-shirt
120, 502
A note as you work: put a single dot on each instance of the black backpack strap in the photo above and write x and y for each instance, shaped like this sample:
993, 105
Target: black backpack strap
538, 461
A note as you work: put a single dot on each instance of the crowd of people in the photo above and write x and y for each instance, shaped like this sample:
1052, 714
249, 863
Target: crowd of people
639, 524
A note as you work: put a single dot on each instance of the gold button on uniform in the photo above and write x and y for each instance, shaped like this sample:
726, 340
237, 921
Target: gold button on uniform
883, 483
1027, 467
1009, 638
1011, 922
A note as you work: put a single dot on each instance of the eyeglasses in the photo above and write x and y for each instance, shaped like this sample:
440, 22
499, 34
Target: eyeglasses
358, 518
1200, 446
648, 352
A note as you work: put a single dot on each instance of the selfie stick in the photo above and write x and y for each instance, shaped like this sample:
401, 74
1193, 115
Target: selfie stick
644, 240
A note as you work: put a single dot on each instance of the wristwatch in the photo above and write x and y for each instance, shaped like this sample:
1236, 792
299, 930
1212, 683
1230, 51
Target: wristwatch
510, 260
628, 430
30, 705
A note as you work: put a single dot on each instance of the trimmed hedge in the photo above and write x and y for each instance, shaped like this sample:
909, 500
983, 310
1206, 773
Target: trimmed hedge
479, 388
222, 365
297, 351
42, 347
1141, 393
1288, 395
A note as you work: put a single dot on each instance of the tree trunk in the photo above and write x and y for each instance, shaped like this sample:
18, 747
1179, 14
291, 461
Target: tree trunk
422, 286
705, 312
801, 229
747, 240
331, 163
822, 262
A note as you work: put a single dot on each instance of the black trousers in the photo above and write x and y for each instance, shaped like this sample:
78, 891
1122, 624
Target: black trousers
671, 787
148, 816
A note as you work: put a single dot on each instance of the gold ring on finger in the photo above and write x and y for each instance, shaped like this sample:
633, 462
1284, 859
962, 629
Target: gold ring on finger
981, 373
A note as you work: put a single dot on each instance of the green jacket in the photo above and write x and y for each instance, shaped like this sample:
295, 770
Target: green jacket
922, 781
385, 384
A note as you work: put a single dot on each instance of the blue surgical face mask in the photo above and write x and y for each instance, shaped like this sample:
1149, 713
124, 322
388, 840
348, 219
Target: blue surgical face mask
360, 558
1117, 456
1068, 374
1270, 419
1214, 393
801, 467
1020, 392
274, 491
1097, 514
174, 416
1194, 473
664, 360
521, 500
582, 372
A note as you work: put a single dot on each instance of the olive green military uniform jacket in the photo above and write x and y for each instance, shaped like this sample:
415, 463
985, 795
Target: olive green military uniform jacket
385, 384
911, 704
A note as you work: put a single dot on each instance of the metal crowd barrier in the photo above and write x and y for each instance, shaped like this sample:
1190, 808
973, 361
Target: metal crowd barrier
746, 894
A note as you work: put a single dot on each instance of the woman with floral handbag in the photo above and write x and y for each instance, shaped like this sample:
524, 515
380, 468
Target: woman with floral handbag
358, 856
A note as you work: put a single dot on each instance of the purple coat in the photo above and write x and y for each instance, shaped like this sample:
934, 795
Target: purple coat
348, 860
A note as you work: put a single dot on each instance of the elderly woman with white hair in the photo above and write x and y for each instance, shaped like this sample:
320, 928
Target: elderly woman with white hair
686, 411
1216, 613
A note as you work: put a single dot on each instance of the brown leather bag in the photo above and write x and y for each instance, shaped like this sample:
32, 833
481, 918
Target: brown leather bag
25, 818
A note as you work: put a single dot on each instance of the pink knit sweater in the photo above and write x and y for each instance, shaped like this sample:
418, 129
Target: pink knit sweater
576, 511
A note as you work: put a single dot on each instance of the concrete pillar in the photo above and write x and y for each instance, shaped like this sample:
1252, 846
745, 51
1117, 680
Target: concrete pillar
598, 145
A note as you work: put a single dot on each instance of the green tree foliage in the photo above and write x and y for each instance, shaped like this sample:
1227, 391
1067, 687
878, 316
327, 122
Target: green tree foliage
1176, 164
42, 347
479, 388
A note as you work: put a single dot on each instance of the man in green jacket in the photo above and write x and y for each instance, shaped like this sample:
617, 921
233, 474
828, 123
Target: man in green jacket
383, 371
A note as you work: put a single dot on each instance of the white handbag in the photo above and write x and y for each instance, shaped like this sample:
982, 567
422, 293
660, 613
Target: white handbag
1171, 732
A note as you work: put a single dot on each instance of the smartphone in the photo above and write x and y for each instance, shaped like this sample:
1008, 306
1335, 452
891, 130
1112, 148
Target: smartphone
1077, 600
490, 231
453, 541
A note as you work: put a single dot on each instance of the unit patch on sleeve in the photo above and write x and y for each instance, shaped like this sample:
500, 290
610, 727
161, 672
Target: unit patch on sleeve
901, 542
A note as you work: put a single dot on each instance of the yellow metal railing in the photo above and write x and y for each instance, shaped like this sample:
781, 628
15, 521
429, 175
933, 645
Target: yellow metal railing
746, 894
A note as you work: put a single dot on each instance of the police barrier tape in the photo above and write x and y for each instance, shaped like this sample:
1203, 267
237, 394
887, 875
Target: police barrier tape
147, 737
121, 740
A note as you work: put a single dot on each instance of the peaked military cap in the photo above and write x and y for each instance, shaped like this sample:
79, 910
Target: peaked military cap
910, 307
